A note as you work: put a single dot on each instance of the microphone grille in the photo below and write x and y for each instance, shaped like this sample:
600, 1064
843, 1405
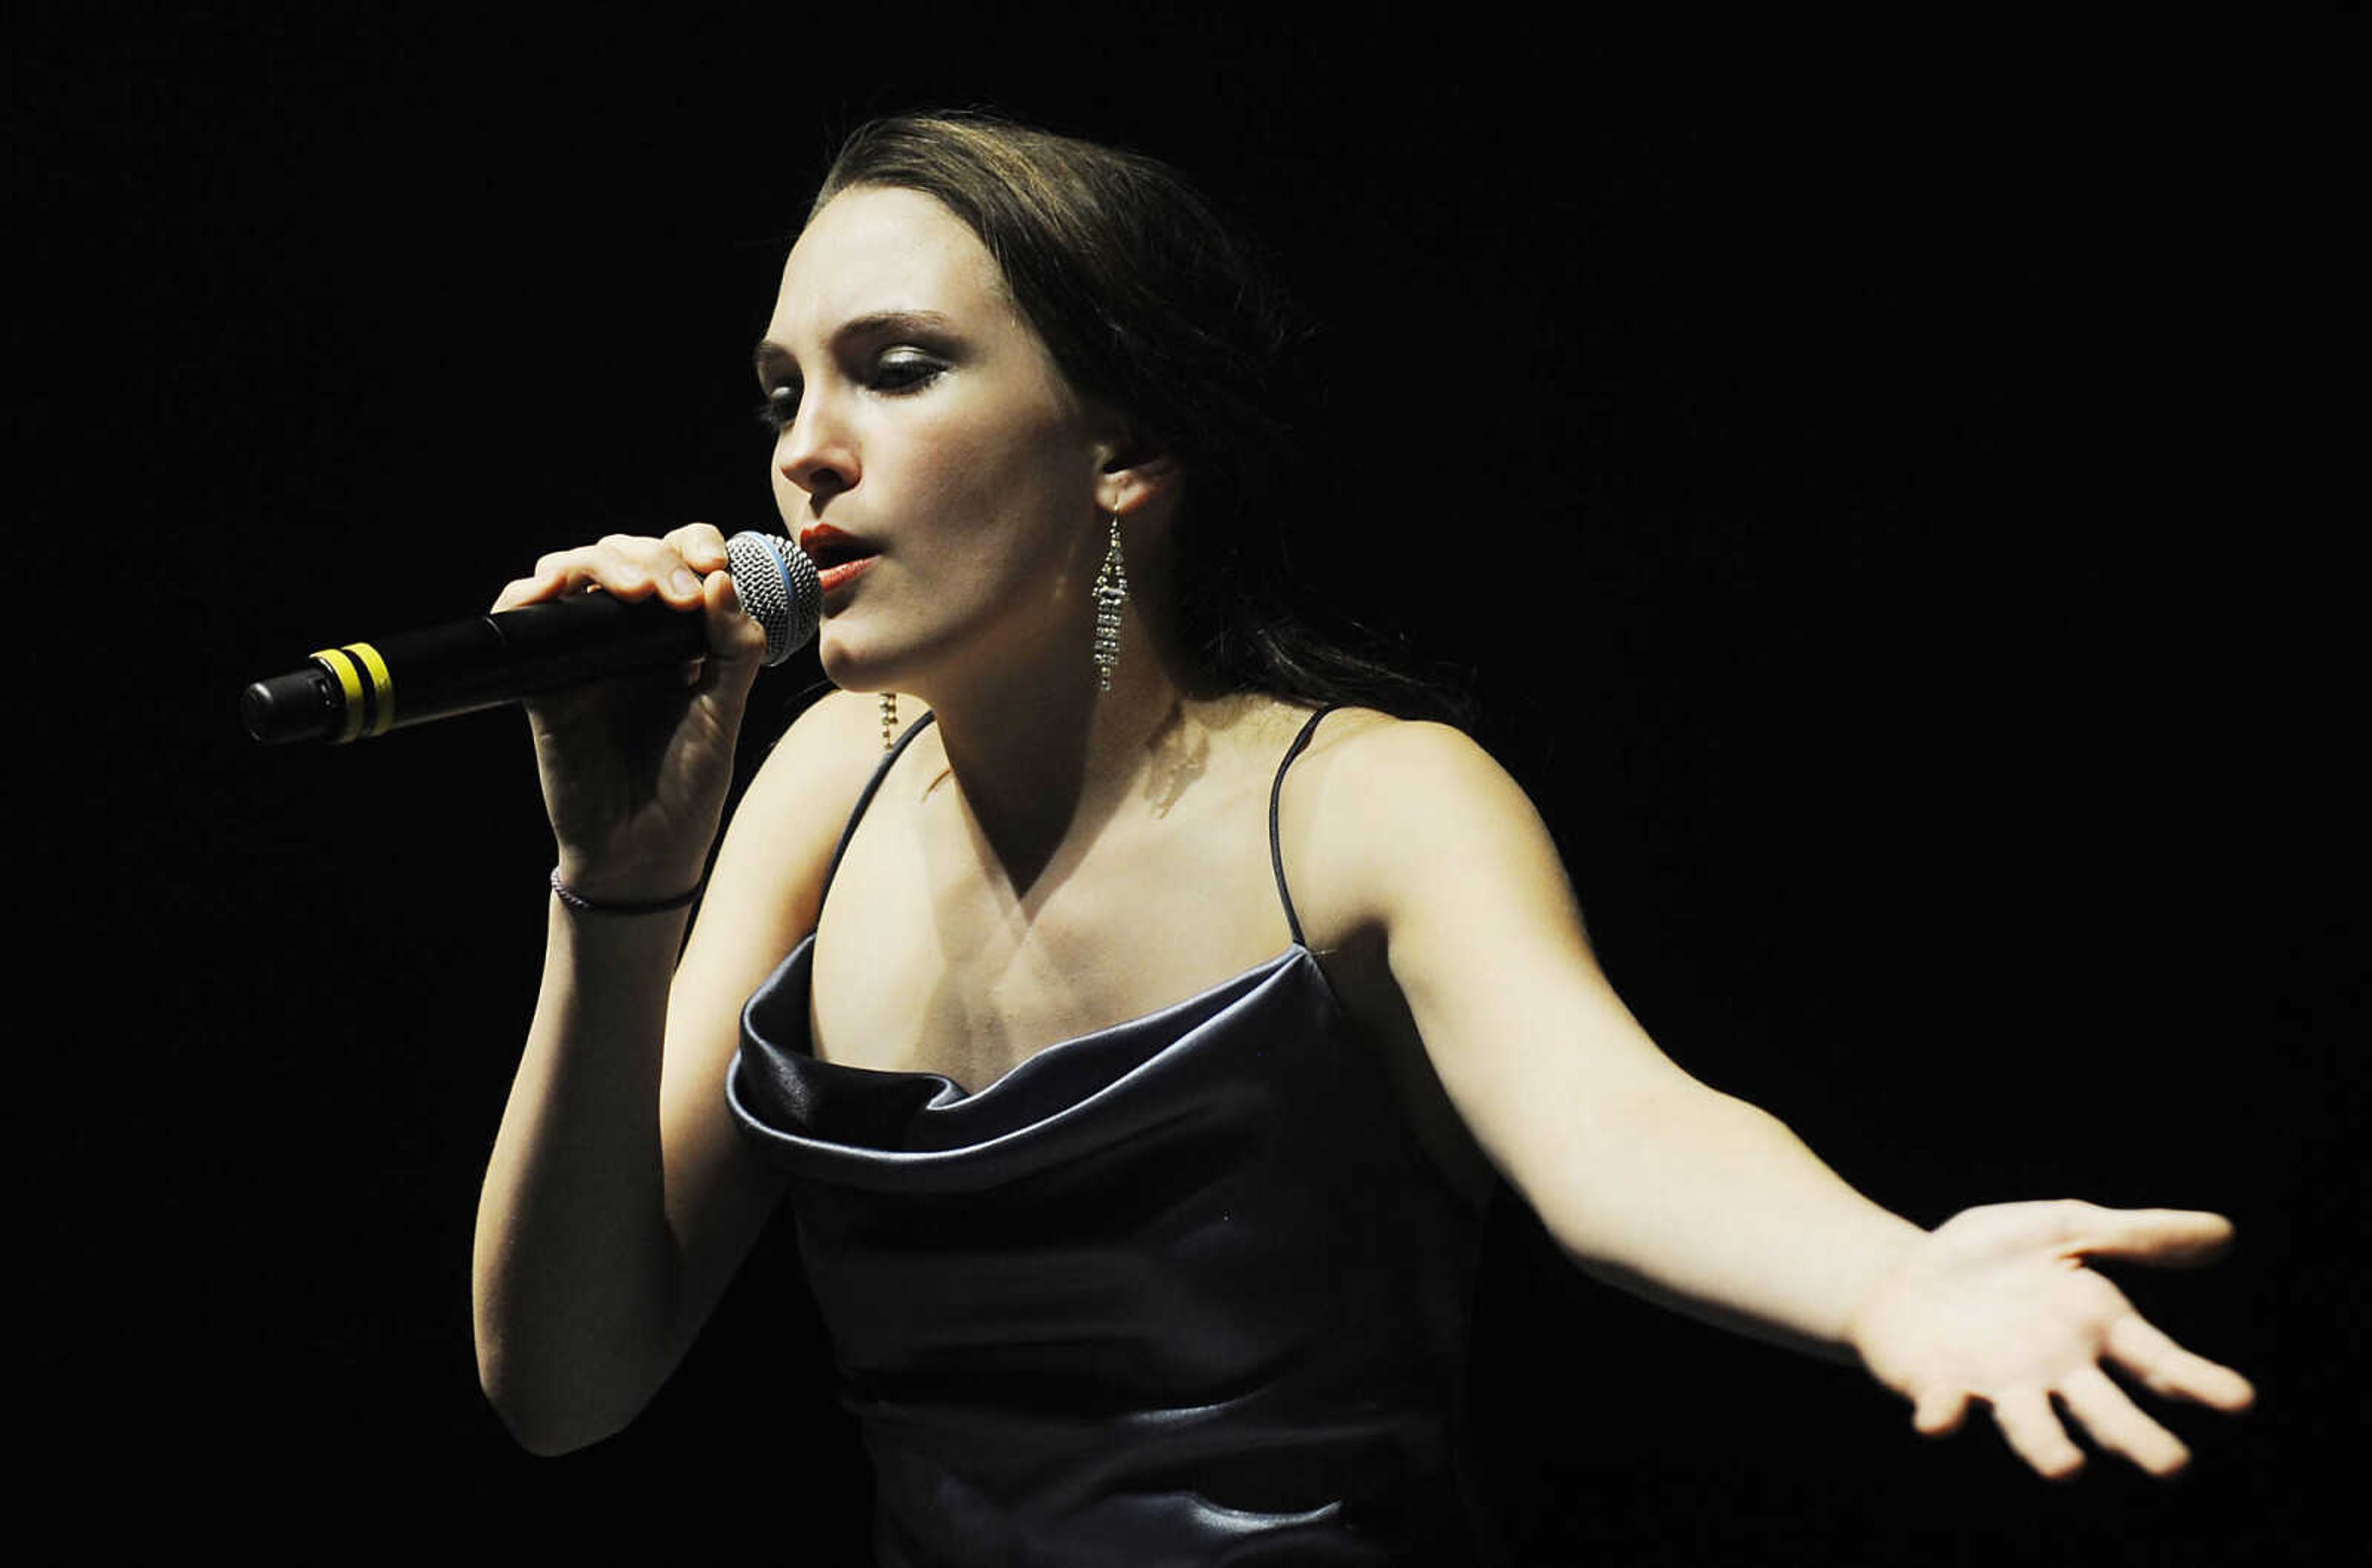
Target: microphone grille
778, 589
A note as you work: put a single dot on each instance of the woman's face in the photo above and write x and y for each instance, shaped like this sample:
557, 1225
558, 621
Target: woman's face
928, 453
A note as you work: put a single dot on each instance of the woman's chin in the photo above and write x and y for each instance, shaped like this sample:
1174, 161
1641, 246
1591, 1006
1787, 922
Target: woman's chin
850, 665
843, 664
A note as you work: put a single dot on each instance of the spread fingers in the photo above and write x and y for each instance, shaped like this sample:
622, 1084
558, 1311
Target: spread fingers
2172, 1372
2032, 1430
2117, 1424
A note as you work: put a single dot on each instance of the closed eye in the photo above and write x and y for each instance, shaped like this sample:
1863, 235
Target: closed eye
893, 365
781, 407
906, 370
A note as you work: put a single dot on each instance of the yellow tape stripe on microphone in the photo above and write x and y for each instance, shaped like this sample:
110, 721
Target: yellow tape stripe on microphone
369, 690
383, 685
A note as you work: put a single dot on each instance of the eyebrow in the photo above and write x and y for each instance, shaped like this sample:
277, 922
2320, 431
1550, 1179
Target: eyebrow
771, 355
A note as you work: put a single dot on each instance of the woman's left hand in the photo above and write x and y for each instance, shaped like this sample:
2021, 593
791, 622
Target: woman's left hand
1996, 1305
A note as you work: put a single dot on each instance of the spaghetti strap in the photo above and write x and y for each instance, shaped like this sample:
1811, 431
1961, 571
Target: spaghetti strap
871, 785
1275, 793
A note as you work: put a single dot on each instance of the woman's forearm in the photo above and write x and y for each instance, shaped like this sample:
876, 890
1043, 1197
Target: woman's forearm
573, 1265
1708, 1204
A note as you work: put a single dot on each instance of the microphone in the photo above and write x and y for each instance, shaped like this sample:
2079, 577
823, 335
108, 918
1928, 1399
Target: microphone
362, 689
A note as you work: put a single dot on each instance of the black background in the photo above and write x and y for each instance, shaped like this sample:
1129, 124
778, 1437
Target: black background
1877, 485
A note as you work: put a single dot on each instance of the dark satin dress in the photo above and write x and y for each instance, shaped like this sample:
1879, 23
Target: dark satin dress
1184, 1291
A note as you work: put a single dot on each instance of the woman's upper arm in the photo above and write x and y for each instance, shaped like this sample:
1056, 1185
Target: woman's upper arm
763, 895
1429, 843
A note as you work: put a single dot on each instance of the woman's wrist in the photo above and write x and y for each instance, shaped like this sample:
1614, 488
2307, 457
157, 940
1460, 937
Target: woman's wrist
601, 878
603, 902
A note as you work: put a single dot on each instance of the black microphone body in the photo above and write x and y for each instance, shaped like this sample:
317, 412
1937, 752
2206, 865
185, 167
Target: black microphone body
365, 689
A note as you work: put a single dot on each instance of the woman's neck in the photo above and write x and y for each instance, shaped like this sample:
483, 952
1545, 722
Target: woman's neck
1041, 755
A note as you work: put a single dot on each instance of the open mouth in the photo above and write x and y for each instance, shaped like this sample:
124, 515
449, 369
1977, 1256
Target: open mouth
829, 548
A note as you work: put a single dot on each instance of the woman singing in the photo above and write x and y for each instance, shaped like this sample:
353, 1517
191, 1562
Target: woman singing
1138, 1013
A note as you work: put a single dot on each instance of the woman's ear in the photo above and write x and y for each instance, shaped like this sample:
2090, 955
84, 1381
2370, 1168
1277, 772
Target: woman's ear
1133, 473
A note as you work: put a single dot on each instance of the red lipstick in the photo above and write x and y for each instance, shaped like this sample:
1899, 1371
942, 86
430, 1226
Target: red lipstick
840, 577
840, 557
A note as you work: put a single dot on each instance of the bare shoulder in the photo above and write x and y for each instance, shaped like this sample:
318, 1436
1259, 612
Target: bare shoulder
1377, 773
1405, 755
1387, 810
778, 847
834, 744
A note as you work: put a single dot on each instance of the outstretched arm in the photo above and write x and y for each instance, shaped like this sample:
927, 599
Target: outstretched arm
1655, 1181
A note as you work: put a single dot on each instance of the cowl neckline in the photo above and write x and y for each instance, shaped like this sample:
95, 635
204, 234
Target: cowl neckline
784, 1094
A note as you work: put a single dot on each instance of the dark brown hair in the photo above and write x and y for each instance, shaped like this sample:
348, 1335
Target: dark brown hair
1151, 306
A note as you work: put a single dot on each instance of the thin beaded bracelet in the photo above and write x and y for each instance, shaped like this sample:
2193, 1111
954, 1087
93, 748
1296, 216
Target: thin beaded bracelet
577, 900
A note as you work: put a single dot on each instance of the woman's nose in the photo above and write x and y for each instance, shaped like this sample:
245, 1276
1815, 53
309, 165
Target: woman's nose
815, 452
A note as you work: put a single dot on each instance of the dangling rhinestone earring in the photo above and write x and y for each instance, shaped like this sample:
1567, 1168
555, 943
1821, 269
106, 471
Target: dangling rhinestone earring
1112, 593
888, 719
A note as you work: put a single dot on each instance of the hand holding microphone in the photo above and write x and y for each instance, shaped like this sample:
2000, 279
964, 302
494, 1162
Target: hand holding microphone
635, 771
545, 634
